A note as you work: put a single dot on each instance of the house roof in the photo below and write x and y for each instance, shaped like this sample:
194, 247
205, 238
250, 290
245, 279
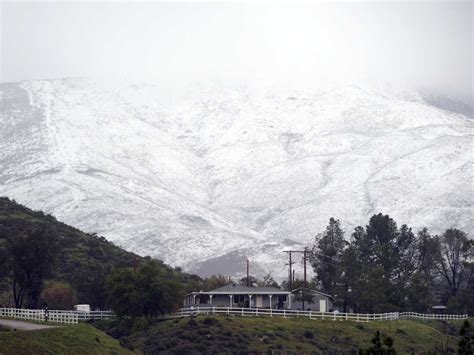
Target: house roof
311, 291
231, 289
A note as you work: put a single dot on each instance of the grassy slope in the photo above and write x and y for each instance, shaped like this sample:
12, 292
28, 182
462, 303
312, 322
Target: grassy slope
74, 339
83, 258
228, 334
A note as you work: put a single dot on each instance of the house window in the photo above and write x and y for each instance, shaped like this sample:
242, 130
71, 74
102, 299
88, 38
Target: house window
238, 298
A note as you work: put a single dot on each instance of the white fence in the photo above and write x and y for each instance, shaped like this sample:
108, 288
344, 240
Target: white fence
288, 313
40, 315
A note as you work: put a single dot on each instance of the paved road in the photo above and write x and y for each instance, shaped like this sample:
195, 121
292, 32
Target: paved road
20, 325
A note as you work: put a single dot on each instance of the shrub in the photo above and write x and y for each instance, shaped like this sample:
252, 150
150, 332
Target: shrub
308, 334
210, 321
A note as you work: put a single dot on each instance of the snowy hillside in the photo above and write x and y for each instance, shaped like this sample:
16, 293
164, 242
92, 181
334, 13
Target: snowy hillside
213, 175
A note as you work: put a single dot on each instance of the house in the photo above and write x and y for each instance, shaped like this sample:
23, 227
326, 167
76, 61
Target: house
314, 300
233, 295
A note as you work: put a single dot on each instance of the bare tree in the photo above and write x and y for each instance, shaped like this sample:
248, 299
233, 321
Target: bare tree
455, 253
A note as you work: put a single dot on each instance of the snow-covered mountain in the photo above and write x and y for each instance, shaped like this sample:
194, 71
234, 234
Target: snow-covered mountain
212, 175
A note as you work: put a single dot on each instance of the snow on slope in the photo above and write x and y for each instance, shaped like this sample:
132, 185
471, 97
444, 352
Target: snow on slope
213, 175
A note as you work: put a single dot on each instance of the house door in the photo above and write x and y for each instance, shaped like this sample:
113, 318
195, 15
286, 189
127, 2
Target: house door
259, 301
322, 306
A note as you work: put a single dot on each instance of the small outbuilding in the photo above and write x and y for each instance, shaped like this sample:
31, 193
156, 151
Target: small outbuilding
233, 295
314, 300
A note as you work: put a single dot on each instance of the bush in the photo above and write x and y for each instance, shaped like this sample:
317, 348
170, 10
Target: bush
210, 321
308, 334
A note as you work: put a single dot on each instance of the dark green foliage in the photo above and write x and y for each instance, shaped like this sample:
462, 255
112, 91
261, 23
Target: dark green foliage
82, 260
32, 254
147, 291
260, 335
466, 343
210, 321
326, 254
308, 334
380, 345
385, 268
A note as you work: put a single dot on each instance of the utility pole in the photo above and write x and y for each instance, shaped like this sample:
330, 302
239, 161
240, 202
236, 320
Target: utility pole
291, 273
304, 261
248, 281
304, 279
305, 257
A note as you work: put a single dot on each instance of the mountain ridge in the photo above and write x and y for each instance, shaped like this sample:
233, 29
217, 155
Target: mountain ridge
230, 173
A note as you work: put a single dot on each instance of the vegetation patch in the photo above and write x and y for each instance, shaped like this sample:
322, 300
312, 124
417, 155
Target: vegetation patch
221, 334
74, 339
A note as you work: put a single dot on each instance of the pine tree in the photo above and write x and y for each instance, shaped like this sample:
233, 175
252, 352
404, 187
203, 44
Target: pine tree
326, 255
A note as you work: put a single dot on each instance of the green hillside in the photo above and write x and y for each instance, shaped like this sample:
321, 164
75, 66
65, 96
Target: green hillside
83, 260
73, 339
223, 334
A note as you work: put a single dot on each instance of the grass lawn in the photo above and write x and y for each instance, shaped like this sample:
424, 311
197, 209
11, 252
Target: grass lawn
70, 339
257, 334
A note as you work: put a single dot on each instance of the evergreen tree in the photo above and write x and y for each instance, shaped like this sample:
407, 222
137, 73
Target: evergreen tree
326, 255
380, 345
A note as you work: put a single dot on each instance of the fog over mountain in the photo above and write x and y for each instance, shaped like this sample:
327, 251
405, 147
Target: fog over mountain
213, 174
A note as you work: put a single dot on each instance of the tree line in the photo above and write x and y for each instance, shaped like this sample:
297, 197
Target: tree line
377, 268
382, 267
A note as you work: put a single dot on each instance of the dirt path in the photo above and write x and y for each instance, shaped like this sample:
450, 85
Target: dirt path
20, 325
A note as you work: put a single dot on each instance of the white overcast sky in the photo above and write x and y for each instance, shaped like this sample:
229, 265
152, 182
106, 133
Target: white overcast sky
421, 45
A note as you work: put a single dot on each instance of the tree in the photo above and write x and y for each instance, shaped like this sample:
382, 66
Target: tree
382, 235
345, 292
268, 281
32, 256
147, 291
216, 281
428, 250
454, 255
252, 281
59, 295
380, 345
326, 254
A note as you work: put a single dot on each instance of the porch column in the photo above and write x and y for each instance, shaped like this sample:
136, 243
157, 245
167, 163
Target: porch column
194, 299
270, 296
210, 299
289, 301
250, 301
231, 300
